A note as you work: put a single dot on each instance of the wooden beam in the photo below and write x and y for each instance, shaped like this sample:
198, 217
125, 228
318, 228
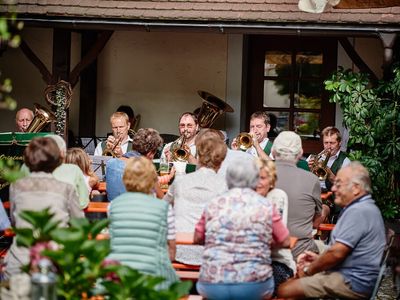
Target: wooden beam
61, 63
351, 52
346, 4
88, 88
35, 60
90, 56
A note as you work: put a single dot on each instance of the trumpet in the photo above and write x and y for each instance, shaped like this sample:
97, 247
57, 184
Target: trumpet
111, 151
319, 166
244, 141
179, 150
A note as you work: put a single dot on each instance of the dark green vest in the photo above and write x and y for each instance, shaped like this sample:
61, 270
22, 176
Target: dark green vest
337, 164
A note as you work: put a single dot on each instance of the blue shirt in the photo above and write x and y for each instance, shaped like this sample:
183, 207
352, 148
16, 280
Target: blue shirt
114, 171
361, 228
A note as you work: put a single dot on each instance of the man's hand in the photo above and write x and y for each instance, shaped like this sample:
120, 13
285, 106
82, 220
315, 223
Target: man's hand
234, 145
167, 153
304, 260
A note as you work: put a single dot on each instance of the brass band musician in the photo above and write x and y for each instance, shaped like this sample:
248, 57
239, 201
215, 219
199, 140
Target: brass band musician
259, 128
332, 140
23, 119
119, 142
189, 127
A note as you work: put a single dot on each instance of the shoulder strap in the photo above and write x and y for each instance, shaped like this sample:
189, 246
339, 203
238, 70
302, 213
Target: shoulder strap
268, 147
129, 146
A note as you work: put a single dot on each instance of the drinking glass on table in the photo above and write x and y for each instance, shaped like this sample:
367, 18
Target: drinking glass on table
164, 170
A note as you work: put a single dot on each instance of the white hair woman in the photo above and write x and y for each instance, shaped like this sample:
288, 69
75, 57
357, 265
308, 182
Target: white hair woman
238, 228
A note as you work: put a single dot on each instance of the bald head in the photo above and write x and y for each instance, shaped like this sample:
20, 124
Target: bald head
23, 118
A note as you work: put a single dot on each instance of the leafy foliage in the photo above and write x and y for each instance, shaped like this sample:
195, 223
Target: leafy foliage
81, 263
9, 28
372, 116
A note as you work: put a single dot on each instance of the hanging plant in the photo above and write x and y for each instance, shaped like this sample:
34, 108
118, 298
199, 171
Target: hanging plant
371, 113
59, 95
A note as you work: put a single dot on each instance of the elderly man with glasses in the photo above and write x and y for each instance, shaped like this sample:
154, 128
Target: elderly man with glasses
349, 267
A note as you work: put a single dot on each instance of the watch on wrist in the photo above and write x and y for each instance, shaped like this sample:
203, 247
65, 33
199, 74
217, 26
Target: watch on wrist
305, 270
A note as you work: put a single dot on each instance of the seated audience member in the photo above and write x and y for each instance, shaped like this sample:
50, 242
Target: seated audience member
238, 228
304, 193
68, 173
139, 224
4, 220
349, 268
191, 192
79, 157
23, 119
145, 143
231, 155
283, 264
119, 142
37, 191
188, 127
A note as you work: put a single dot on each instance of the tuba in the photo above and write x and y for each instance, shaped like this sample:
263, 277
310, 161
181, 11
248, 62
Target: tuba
211, 108
244, 141
110, 152
42, 116
180, 151
319, 167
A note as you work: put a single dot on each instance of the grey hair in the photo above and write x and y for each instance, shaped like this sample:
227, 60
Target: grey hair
360, 176
242, 174
60, 143
280, 155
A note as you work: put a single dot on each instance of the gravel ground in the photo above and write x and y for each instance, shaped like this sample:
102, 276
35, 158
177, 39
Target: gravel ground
387, 290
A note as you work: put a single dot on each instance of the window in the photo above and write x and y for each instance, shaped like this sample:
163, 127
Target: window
286, 79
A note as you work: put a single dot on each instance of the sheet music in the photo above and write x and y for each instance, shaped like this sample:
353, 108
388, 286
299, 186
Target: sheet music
99, 164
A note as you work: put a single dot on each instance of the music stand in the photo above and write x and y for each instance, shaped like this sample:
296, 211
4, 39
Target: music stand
99, 165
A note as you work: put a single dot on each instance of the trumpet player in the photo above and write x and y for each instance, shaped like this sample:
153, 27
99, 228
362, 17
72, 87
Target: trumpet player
119, 142
332, 140
189, 127
259, 128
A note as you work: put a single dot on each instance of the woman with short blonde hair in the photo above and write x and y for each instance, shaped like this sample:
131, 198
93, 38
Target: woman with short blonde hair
139, 175
139, 224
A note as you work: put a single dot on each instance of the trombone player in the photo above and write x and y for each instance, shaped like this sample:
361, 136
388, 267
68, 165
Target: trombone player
119, 142
259, 128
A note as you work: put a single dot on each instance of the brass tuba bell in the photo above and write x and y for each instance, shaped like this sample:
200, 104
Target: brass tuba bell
42, 116
211, 108
244, 141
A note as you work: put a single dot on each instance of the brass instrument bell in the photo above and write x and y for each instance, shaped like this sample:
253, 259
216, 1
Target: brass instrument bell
319, 167
211, 108
244, 141
180, 151
111, 152
42, 116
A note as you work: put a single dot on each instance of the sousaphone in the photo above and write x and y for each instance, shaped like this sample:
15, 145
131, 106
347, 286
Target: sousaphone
211, 109
42, 116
